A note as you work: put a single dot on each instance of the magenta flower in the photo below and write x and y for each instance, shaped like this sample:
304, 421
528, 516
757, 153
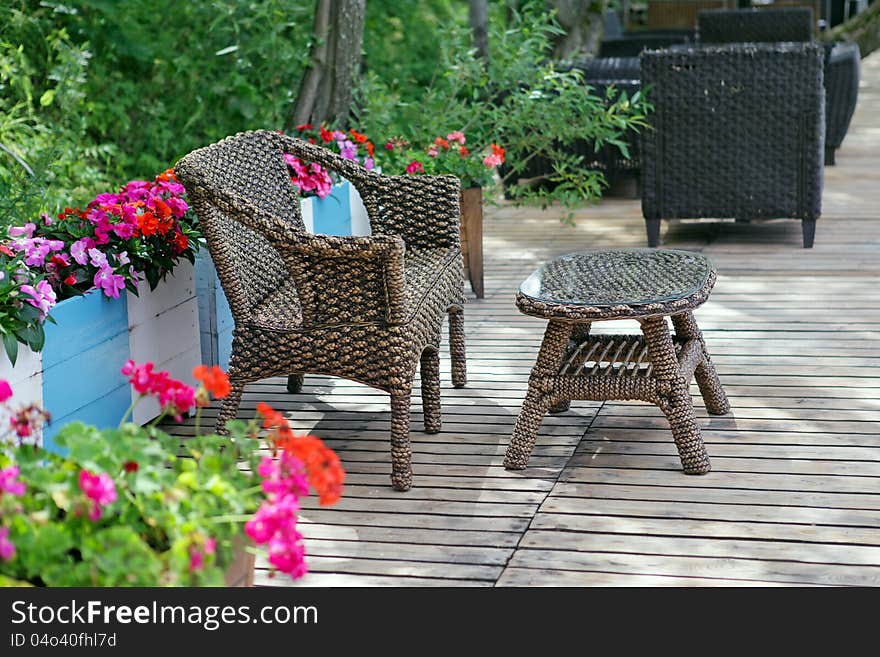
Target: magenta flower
97, 258
415, 167
42, 297
285, 476
369, 163
100, 489
10, 483
5, 390
7, 549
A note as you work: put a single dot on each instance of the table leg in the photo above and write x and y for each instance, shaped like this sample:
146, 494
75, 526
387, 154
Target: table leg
579, 333
707, 378
673, 397
538, 400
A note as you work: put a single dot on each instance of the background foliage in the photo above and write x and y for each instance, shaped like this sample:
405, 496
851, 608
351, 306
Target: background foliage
97, 92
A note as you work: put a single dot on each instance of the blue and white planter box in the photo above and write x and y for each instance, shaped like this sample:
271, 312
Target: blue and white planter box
342, 212
77, 375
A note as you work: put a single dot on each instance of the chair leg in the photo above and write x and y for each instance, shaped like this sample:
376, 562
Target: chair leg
707, 378
401, 452
653, 228
295, 383
456, 346
525, 432
808, 227
430, 364
229, 409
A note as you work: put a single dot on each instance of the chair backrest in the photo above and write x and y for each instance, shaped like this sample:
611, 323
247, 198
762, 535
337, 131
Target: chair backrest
755, 25
737, 132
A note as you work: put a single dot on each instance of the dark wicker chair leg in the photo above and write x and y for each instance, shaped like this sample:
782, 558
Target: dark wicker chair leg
295, 383
401, 452
430, 364
561, 407
653, 228
675, 401
809, 230
456, 347
707, 378
829, 156
229, 409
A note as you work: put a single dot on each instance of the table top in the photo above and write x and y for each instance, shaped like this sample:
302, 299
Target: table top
617, 283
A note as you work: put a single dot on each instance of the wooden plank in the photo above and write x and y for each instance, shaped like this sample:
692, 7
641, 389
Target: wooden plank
553, 577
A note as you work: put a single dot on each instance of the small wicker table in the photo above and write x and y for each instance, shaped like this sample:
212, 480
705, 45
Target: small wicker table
647, 285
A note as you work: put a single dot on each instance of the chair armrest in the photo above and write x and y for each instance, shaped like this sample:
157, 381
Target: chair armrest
347, 280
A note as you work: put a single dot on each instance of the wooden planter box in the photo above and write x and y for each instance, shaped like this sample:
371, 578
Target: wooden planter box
77, 375
340, 213
472, 237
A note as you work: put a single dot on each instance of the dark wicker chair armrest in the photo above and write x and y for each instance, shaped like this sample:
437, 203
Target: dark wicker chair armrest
348, 280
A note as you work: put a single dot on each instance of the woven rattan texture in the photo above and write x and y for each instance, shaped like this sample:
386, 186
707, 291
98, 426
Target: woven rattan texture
617, 284
755, 25
364, 308
738, 132
842, 72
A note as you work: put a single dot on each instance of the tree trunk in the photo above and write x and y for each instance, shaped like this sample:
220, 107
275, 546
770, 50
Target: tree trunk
325, 92
479, 17
864, 29
583, 22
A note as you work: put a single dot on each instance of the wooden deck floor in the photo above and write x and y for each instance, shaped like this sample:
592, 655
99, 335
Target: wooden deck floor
794, 495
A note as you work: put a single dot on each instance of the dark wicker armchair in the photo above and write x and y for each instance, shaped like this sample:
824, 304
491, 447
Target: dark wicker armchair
368, 309
738, 132
775, 24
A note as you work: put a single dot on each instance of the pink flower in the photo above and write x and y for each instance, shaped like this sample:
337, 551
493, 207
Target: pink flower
79, 248
174, 396
7, 549
285, 476
10, 483
196, 561
389, 146
491, 161
22, 231
415, 167
456, 135
112, 284
97, 258
42, 297
369, 163
5, 390
432, 151
100, 489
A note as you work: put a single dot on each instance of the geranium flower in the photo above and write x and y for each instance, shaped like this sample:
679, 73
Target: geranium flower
5, 390
415, 167
433, 151
7, 548
456, 135
10, 483
214, 379
100, 489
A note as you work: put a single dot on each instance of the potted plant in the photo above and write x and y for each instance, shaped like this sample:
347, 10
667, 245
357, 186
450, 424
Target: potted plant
475, 167
82, 261
133, 506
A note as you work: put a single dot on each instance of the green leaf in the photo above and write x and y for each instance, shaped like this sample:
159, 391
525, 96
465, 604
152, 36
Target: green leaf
47, 98
10, 343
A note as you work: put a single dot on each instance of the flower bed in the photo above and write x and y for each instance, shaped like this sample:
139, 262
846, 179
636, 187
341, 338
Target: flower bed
130, 506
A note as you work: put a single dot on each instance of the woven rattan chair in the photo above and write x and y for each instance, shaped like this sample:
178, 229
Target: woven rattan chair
738, 132
775, 24
368, 309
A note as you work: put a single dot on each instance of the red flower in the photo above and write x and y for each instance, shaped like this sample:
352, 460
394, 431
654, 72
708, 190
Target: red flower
326, 135
304, 126
214, 379
180, 242
323, 468
463, 151
497, 150
415, 167
70, 280
359, 137
130, 466
148, 224
6, 250
442, 143
370, 148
